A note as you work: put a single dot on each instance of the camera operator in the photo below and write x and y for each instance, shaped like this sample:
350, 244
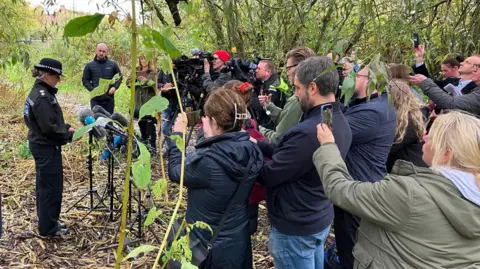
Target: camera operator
221, 74
47, 132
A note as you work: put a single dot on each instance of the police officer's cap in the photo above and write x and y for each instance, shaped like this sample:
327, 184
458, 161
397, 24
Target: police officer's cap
50, 65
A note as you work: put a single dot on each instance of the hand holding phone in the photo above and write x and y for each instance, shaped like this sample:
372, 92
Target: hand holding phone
416, 40
327, 115
193, 118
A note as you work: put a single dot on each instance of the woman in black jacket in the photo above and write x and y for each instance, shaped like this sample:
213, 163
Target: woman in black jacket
213, 171
410, 126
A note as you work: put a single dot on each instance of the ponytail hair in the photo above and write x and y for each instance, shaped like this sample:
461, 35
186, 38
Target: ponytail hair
244, 89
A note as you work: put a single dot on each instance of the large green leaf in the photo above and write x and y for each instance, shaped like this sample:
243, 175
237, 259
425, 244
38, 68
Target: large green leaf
348, 86
83, 25
153, 213
154, 105
80, 132
339, 47
138, 250
158, 188
165, 64
103, 86
179, 142
141, 169
160, 40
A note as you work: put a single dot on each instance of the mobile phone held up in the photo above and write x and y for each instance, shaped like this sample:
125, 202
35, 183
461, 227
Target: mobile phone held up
194, 118
416, 40
327, 115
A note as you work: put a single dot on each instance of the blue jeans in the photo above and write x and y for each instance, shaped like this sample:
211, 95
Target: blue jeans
302, 252
167, 117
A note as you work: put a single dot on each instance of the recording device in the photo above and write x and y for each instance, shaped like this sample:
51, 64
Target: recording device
118, 141
416, 40
194, 118
99, 109
109, 126
243, 70
87, 117
120, 119
327, 115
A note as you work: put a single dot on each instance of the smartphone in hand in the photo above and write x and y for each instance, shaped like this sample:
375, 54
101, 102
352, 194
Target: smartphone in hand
416, 40
327, 115
193, 118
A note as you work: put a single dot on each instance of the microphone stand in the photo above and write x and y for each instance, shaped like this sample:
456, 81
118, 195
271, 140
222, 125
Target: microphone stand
91, 191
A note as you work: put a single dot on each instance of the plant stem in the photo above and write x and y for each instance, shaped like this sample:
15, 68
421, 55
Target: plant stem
182, 168
160, 133
130, 141
176, 237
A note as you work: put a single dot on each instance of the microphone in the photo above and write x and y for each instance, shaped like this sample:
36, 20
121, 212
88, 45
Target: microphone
120, 119
99, 109
108, 125
86, 117
97, 115
117, 142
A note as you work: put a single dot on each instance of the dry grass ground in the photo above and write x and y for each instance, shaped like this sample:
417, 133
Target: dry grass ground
22, 247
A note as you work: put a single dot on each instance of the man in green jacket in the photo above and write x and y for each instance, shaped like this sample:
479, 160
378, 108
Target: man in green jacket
289, 116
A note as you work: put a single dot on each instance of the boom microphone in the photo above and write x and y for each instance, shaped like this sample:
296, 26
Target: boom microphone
86, 117
109, 126
99, 109
120, 118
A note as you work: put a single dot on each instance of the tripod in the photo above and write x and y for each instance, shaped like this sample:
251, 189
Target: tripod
91, 193
110, 187
142, 211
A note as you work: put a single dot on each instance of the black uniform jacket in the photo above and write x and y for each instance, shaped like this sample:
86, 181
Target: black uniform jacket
44, 117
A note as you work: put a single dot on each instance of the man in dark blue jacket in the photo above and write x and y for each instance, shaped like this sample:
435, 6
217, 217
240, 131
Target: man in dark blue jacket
298, 209
102, 67
373, 130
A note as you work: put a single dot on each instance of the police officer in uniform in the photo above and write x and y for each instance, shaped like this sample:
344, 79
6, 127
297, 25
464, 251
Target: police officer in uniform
47, 132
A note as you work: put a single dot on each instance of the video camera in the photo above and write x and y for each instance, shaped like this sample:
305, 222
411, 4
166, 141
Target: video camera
186, 66
243, 70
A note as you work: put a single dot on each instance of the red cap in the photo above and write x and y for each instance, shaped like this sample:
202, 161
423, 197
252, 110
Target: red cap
223, 55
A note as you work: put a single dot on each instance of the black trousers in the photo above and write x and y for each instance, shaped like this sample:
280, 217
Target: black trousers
107, 103
346, 226
49, 186
148, 130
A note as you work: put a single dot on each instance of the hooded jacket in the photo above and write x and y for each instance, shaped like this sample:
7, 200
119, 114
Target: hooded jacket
212, 173
414, 218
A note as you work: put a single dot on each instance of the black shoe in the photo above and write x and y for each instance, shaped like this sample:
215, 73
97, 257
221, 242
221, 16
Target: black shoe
61, 225
60, 232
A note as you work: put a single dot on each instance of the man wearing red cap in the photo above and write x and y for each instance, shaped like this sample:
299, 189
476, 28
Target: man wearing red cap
220, 75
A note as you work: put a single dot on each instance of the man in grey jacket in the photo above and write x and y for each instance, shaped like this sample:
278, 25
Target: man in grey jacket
469, 102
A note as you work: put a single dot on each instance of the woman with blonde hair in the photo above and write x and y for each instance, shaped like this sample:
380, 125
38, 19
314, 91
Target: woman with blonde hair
410, 126
416, 217
402, 72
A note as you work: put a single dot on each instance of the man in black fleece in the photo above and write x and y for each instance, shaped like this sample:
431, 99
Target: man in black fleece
101, 67
298, 209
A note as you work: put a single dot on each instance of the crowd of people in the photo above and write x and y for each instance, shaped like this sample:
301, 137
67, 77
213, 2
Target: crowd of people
400, 182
